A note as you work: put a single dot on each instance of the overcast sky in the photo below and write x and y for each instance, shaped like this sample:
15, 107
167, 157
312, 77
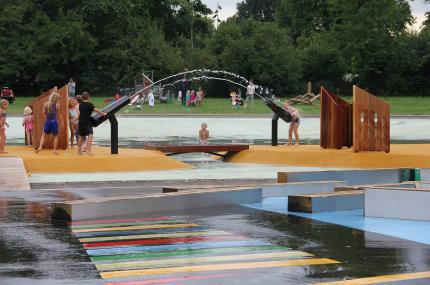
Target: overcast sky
419, 8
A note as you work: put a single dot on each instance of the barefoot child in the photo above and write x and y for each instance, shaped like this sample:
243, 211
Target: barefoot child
294, 124
28, 123
51, 110
4, 104
204, 134
86, 108
73, 120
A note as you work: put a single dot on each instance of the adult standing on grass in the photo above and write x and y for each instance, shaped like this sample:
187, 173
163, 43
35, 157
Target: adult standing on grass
294, 124
51, 110
250, 90
85, 128
184, 89
71, 87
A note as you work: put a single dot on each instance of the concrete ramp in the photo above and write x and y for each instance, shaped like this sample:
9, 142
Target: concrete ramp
13, 176
139, 204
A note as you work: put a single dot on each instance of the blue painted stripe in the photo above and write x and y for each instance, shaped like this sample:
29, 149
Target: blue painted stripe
417, 231
141, 232
136, 249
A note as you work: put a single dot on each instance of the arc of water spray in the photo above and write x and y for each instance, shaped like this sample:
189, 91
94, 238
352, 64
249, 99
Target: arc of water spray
265, 98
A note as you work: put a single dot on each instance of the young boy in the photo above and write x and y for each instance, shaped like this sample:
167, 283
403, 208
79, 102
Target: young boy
204, 134
85, 128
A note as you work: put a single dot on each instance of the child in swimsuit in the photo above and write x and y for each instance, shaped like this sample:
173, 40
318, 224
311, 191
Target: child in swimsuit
73, 120
28, 123
51, 109
4, 104
204, 134
294, 124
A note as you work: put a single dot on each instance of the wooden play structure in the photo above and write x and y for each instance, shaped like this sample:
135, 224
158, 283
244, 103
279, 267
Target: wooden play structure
218, 150
307, 98
39, 119
336, 118
365, 124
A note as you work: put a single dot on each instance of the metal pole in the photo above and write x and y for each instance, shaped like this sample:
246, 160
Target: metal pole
275, 119
113, 134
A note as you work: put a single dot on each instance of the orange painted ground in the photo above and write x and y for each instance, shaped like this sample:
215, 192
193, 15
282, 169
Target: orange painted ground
128, 160
404, 155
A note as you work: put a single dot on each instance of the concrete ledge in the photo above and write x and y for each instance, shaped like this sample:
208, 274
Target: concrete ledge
353, 177
397, 203
138, 204
298, 188
13, 176
326, 202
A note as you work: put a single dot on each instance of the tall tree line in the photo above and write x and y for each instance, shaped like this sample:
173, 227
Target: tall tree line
283, 44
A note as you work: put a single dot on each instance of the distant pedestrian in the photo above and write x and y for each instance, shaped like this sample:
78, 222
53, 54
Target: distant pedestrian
72, 87
28, 123
204, 134
233, 99
86, 109
4, 104
51, 110
151, 100
200, 96
250, 91
184, 89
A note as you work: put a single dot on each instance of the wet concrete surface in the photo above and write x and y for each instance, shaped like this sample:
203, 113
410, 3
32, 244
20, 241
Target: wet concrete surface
35, 251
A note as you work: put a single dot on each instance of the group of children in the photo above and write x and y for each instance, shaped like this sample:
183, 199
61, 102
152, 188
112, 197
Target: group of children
236, 97
80, 110
192, 98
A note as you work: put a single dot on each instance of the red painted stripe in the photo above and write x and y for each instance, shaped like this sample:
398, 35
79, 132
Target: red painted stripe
173, 279
162, 241
117, 221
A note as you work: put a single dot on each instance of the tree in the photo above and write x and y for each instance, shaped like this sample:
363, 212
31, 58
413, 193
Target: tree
261, 51
263, 11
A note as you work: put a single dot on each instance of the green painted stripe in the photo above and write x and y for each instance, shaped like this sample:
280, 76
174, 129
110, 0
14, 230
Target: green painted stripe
199, 260
95, 226
151, 255
154, 236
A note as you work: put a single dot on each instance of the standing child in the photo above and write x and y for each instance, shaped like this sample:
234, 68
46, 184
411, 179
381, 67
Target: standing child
233, 99
204, 134
86, 108
4, 104
51, 110
28, 123
294, 124
73, 120
151, 99
250, 91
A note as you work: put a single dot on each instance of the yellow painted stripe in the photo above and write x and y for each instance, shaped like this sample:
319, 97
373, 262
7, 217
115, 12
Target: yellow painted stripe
191, 261
152, 236
215, 267
135, 228
381, 279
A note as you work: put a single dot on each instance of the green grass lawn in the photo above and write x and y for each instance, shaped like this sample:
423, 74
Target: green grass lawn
399, 106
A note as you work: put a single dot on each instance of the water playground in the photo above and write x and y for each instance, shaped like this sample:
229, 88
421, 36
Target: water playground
352, 209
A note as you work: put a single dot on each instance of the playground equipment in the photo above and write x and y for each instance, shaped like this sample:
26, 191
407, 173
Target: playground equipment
37, 106
307, 98
364, 125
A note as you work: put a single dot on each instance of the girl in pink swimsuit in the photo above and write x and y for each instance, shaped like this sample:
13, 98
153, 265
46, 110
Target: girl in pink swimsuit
28, 123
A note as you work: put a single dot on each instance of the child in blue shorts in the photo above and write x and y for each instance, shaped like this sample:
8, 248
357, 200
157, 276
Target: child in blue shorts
51, 109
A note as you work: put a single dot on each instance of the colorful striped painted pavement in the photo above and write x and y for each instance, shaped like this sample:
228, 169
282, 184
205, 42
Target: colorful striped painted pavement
102, 259
153, 236
144, 247
163, 241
